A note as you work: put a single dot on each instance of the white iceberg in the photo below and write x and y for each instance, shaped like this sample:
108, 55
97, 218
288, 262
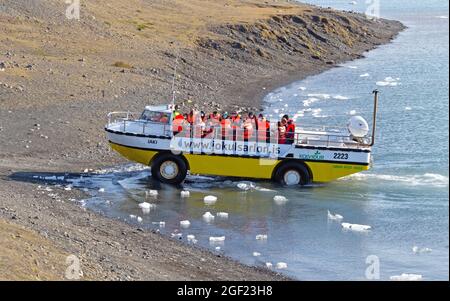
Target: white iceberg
356, 227
139, 219
210, 200
269, 265
281, 265
256, 254
279, 199
261, 237
146, 206
208, 217
406, 277
101, 190
334, 217
215, 239
152, 193
185, 224
223, 215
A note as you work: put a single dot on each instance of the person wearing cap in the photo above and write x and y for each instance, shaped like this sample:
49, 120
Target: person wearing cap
225, 125
249, 126
290, 131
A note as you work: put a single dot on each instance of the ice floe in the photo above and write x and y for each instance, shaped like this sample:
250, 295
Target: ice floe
442, 17
408, 108
256, 254
261, 237
341, 97
191, 238
210, 200
101, 190
320, 95
279, 199
222, 215
334, 217
216, 239
146, 205
309, 101
151, 193
245, 186
269, 265
302, 88
406, 277
139, 219
388, 81
417, 250
352, 112
208, 217
365, 75
356, 227
185, 194
160, 224
132, 216
185, 224
427, 179
281, 265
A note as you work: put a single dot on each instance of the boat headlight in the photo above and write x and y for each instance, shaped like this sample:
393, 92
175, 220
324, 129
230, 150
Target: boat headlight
358, 127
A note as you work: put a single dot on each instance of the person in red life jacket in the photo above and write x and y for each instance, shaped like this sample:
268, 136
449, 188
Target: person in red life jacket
236, 125
190, 117
225, 125
267, 131
177, 124
249, 126
290, 131
281, 133
261, 126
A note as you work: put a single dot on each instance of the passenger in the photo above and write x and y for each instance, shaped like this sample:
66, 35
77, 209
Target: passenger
281, 133
176, 111
225, 124
190, 117
268, 131
177, 124
261, 126
236, 125
290, 132
164, 118
249, 126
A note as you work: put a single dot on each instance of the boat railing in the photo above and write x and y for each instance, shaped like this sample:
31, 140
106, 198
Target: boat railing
130, 122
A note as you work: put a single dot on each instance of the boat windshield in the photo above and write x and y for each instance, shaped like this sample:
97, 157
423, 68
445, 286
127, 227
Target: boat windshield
152, 116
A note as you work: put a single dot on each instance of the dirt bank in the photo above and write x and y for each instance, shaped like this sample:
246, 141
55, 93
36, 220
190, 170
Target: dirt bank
59, 78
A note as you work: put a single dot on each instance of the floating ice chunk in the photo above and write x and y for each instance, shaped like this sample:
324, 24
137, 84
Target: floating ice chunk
191, 239
176, 235
320, 95
68, 188
406, 277
302, 88
417, 250
139, 219
281, 265
210, 200
262, 189
286, 105
352, 67
388, 81
352, 112
208, 217
185, 224
245, 186
442, 17
334, 217
132, 216
146, 206
408, 108
269, 265
217, 239
151, 193
185, 194
217, 248
356, 227
365, 75
340, 97
223, 215
160, 224
101, 190
353, 3
256, 254
261, 237
279, 199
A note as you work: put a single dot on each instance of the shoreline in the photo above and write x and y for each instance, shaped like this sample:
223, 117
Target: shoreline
100, 243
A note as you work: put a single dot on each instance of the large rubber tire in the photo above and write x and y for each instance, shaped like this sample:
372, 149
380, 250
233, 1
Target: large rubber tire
292, 173
169, 169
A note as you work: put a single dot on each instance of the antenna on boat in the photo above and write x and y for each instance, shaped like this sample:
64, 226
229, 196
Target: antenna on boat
174, 77
375, 109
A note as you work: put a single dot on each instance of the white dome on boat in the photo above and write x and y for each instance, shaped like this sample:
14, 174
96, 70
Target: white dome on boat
358, 126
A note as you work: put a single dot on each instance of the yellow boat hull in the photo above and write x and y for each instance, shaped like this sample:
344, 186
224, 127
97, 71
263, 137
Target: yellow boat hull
245, 167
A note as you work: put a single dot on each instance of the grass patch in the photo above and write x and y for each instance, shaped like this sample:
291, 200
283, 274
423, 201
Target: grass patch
121, 64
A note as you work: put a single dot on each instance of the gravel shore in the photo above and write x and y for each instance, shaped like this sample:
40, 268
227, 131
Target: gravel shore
59, 79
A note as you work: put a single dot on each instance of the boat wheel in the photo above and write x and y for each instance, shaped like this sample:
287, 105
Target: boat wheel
292, 173
168, 168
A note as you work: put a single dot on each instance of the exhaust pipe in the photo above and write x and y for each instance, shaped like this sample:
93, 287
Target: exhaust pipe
374, 124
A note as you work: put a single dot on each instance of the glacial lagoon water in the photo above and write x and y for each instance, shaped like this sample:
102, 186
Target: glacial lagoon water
404, 197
